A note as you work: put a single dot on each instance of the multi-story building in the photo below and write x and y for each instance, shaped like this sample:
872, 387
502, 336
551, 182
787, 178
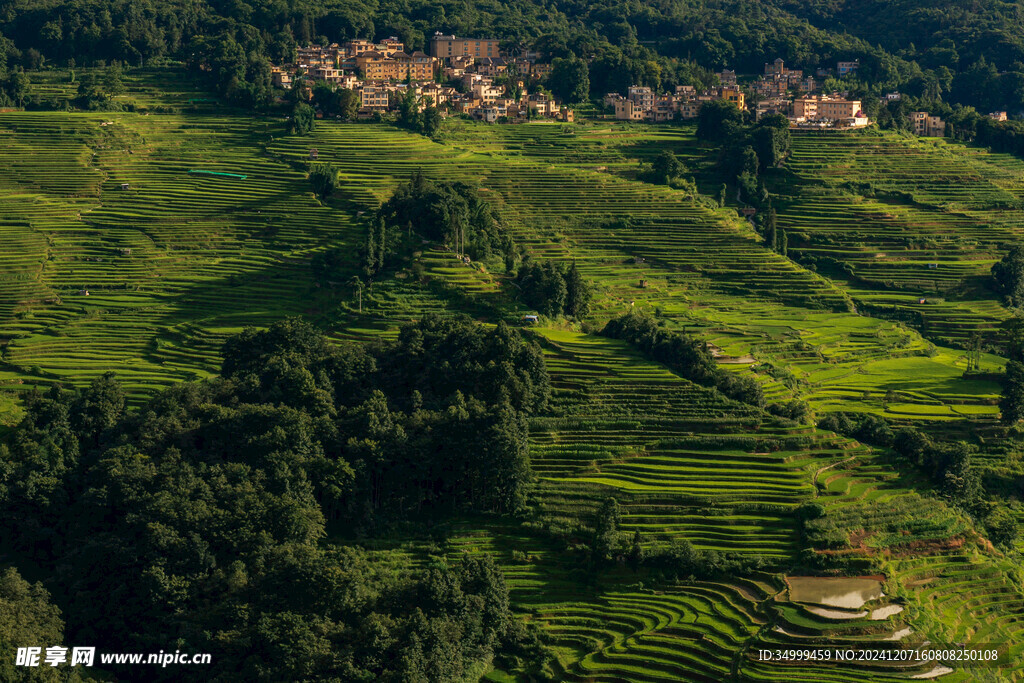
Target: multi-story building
809, 84
373, 98
777, 105
727, 77
689, 109
805, 108
734, 95
377, 66
665, 109
325, 73
844, 68
838, 108
436, 95
927, 126
641, 97
281, 78
487, 92
444, 46
356, 47
491, 66
542, 104
390, 45
776, 68
773, 88
627, 110
828, 112
998, 116
317, 55
826, 108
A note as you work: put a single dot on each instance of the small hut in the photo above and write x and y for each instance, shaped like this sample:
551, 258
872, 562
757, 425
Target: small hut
125, 186
314, 154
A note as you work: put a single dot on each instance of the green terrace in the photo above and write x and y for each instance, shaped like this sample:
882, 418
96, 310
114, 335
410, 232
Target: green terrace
909, 227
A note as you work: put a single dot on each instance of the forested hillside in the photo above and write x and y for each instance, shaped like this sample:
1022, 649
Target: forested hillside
968, 54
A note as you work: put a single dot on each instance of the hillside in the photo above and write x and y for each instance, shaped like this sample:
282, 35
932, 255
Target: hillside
140, 242
944, 53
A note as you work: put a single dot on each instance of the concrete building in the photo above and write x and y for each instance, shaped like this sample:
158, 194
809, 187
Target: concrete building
843, 68
373, 98
734, 95
626, 110
444, 46
641, 97
839, 108
376, 66
778, 105
776, 68
487, 92
927, 126
825, 111
281, 78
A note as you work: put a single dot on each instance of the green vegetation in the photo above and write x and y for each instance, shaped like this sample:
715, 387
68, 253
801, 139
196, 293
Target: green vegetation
630, 505
337, 437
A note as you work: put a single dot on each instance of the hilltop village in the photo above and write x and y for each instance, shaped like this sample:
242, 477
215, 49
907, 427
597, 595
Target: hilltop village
477, 78
470, 76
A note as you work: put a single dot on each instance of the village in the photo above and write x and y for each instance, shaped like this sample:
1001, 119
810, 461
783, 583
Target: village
474, 77
479, 80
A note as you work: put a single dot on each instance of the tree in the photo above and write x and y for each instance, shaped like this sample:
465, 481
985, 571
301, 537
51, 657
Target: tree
665, 167
409, 110
347, 103
1002, 527
771, 237
302, 119
357, 284
717, 120
974, 352
577, 293
1011, 403
1013, 329
27, 618
771, 140
606, 529
569, 80
542, 286
430, 121
1008, 277
449, 212
17, 86
636, 551
324, 179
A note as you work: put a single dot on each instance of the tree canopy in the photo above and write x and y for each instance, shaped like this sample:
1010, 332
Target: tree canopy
228, 487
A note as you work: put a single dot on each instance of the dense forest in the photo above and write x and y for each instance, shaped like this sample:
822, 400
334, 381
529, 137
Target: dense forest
939, 53
217, 515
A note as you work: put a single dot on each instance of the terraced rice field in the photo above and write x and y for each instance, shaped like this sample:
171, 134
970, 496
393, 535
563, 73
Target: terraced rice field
704, 268
911, 226
177, 261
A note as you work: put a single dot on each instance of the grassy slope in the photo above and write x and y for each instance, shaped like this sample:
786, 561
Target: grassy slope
209, 255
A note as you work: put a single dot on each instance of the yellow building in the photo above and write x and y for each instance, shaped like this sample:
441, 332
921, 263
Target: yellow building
734, 95
443, 46
377, 66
